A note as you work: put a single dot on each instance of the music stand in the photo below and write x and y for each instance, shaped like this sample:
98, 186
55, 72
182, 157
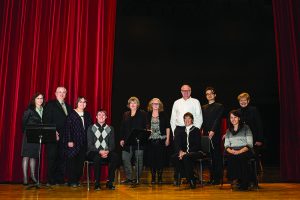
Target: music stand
41, 134
138, 137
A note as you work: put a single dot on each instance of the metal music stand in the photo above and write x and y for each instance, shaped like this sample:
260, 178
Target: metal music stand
41, 134
138, 137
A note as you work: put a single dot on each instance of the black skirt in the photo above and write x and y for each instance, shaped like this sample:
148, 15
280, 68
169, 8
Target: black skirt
239, 167
30, 150
156, 154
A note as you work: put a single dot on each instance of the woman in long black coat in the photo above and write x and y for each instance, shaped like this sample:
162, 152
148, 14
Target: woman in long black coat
30, 151
76, 140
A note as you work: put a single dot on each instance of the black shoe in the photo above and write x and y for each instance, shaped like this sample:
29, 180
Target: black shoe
127, 181
74, 185
110, 185
97, 187
215, 182
177, 182
192, 184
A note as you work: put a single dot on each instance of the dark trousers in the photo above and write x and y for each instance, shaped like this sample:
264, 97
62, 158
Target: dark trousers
216, 167
185, 166
75, 166
56, 163
178, 130
112, 160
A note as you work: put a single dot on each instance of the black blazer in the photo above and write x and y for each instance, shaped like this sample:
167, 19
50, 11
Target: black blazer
139, 121
212, 116
164, 122
180, 141
251, 117
30, 116
54, 114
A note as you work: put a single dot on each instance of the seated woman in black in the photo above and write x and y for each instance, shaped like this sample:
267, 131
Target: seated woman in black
187, 147
238, 143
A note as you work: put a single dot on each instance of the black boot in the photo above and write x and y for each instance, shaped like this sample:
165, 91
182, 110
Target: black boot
110, 185
159, 176
177, 178
153, 173
192, 184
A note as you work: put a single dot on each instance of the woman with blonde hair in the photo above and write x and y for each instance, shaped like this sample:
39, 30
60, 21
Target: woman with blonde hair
159, 138
135, 118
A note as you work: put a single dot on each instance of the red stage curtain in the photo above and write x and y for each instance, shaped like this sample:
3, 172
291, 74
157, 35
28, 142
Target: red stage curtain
287, 37
45, 44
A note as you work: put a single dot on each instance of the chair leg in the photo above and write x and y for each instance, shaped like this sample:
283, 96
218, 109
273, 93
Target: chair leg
201, 174
87, 176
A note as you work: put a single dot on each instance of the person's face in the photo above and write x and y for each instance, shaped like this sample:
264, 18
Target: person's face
133, 105
101, 117
60, 93
155, 104
243, 102
188, 121
82, 104
210, 95
185, 91
234, 119
39, 100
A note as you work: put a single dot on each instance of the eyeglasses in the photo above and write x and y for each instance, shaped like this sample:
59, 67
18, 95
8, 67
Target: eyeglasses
155, 104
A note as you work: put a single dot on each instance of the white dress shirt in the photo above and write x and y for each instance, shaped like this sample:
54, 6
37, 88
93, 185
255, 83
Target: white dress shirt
180, 107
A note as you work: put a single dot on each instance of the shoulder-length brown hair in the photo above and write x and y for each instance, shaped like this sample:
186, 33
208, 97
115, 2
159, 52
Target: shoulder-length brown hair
32, 100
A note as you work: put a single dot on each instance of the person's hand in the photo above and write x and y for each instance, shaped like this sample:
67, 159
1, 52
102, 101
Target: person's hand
258, 143
122, 143
181, 154
103, 153
223, 137
70, 144
211, 134
167, 143
57, 136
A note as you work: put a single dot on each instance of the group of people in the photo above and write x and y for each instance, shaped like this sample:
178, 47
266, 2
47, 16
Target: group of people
79, 139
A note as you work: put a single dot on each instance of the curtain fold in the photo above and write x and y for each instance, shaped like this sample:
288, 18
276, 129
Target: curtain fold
287, 38
45, 44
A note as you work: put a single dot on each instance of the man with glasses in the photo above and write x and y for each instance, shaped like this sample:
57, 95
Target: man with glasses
180, 107
212, 115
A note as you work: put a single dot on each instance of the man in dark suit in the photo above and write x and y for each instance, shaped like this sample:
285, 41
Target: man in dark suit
212, 115
56, 112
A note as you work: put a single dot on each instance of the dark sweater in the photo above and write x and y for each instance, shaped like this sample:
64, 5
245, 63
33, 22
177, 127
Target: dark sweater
91, 138
194, 138
212, 115
251, 117
138, 121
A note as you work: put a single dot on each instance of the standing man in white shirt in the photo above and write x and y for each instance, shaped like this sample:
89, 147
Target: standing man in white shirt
182, 106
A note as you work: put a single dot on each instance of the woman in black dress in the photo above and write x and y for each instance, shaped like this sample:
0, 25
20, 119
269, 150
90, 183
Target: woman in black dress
76, 140
159, 138
30, 151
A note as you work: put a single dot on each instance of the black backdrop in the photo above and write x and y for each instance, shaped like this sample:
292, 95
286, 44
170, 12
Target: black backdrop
227, 44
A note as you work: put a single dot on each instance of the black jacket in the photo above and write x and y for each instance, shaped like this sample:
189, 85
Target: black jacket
194, 138
251, 117
54, 114
139, 121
